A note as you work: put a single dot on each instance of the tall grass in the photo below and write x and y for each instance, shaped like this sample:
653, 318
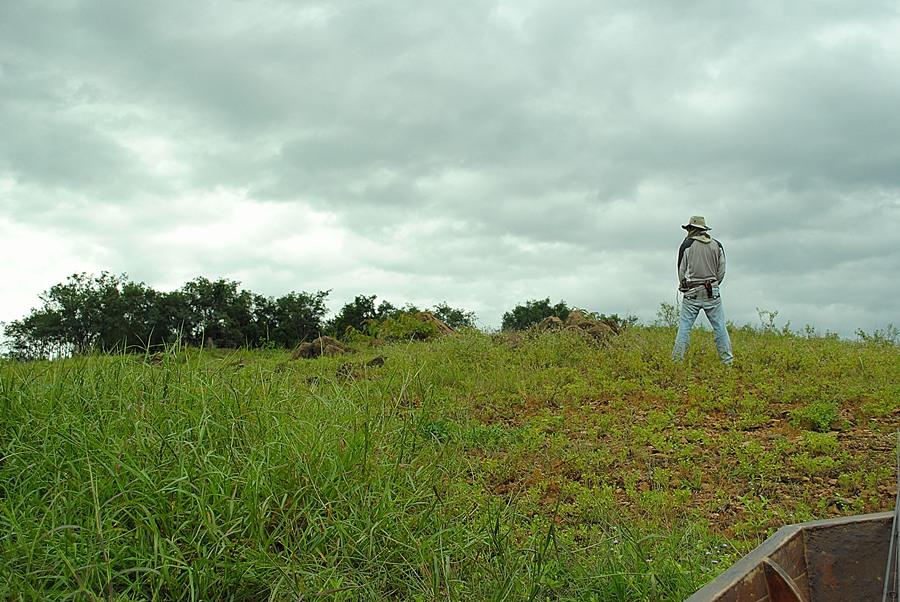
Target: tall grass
468, 468
202, 480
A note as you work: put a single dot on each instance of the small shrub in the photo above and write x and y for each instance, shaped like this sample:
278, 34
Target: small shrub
406, 327
820, 416
819, 443
667, 315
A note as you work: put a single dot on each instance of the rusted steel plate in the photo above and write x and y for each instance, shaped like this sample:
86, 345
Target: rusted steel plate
848, 563
819, 561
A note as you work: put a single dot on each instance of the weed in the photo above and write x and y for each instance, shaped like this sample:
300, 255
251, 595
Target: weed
667, 315
819, 443
889, 337
819, 415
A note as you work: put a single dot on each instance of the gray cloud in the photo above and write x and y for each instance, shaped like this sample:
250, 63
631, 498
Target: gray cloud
486, 153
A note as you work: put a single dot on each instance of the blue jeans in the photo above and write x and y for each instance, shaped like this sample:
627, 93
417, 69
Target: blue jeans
691, 305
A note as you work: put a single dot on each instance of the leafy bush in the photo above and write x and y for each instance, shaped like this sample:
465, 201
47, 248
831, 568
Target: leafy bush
819, 415
667, 315
405, 326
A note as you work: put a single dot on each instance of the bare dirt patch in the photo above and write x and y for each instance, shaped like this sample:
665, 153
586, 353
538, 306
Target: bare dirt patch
743, 483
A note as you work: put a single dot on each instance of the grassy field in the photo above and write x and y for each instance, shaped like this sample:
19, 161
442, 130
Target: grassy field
472, 467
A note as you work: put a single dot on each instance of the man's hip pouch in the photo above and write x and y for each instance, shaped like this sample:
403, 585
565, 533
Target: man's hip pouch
708, 291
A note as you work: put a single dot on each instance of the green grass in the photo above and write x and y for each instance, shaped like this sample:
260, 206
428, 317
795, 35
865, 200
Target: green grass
472, 467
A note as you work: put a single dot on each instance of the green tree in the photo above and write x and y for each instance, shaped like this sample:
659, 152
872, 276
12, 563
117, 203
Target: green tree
221, 314
124, 313
110, 312
39, 335
357, 315
292, 318
104, 312
625, 322
453, 317
169, 318
77, 306
532, 312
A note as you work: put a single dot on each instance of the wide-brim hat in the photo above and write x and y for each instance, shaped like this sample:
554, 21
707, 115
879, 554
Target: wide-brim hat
697, 221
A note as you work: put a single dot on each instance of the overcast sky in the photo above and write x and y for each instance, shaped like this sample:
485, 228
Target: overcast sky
475, 152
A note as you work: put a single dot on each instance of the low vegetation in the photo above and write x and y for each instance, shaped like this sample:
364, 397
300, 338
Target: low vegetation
474, 466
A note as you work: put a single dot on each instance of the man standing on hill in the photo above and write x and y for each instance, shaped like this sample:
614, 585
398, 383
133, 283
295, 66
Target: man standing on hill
701, 269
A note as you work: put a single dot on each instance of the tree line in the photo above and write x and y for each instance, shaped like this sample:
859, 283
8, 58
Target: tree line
112, 313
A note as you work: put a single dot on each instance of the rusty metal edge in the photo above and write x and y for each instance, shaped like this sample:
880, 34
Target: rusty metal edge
733, 575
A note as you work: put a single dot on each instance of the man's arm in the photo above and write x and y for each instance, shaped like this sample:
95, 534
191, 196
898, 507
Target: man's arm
682, 261
720, 268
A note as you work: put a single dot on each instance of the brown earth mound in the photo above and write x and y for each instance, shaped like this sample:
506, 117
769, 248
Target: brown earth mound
599, 330
429, 318
549, 323
319, 347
